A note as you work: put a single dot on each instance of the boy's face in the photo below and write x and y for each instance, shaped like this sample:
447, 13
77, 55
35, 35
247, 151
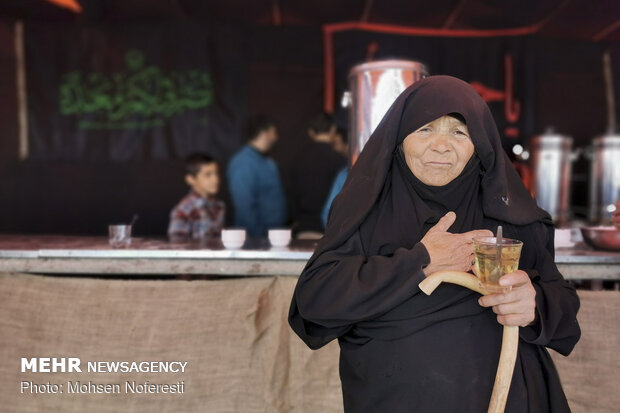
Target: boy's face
206, 181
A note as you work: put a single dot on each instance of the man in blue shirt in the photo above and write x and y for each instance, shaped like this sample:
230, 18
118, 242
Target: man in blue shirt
254, 182
336, 188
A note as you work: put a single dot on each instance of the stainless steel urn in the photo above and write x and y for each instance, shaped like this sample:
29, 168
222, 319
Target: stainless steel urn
551, 174
373, 87
604, 178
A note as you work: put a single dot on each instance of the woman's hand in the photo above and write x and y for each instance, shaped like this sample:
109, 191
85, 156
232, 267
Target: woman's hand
516, 307
450, 251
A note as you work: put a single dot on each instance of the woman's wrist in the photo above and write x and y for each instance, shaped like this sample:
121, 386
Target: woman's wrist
536, 319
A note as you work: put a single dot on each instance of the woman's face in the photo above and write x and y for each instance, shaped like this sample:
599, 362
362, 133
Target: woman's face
437, 152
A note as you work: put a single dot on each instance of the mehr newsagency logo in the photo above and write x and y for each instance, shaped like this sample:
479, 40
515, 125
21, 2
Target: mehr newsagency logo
75, 365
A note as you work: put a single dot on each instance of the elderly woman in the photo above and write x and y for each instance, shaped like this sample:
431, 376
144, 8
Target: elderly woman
433, 176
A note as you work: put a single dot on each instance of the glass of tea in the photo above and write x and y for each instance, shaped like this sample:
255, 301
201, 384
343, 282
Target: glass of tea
492, 260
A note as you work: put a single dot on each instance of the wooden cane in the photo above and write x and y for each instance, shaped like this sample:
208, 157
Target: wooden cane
510, 339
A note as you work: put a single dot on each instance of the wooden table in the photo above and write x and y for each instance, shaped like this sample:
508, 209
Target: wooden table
92, 255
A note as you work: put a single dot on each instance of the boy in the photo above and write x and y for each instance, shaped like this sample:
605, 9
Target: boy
199, 214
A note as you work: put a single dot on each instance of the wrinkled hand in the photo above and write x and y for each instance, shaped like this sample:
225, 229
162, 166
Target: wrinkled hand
615, 216
450, 251
516, 307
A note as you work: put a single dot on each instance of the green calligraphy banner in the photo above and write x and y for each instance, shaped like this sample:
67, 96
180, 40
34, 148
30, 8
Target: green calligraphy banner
138, 93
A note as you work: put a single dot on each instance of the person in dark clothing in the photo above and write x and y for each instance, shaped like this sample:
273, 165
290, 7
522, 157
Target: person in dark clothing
616, 216
313, 173
432, 176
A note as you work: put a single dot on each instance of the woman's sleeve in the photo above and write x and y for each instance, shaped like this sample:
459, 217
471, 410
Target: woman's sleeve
557, 302
343, 286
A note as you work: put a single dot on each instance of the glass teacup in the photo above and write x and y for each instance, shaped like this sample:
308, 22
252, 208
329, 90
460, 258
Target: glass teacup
493, 260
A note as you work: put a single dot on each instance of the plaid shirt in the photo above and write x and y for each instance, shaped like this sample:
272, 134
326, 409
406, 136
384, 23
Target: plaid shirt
195, 217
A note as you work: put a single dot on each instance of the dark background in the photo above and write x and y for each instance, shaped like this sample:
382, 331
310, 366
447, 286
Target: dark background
284, 77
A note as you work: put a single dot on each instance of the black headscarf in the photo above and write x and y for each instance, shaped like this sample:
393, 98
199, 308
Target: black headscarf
394, 209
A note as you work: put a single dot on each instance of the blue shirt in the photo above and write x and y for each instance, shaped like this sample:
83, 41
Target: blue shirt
336, 188
256, 191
